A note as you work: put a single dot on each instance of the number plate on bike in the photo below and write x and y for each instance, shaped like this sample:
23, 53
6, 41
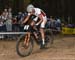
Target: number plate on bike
26, 27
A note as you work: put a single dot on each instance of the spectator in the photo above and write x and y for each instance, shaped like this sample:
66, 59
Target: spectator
48, 23
52, 22
58, 24
3, 18
21, 17
9, 20
1, 27
15, 24
5, 14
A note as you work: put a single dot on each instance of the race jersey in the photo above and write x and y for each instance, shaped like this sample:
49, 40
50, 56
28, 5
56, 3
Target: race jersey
38, 12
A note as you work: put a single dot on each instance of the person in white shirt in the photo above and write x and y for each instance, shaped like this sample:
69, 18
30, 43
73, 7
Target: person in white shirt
41, 21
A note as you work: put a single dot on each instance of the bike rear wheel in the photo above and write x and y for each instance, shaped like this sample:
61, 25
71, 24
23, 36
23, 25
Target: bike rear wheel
49, 38
21, 49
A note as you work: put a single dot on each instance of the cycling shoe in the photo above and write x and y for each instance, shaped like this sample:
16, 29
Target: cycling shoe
42, 46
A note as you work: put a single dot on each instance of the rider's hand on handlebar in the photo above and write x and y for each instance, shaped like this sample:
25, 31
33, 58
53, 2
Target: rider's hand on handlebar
37, 24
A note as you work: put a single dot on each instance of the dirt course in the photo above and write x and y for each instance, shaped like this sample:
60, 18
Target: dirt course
62, 49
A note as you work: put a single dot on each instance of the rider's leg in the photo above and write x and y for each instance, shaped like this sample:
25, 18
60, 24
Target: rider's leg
42, 31
35, 35
42, 35
32, 25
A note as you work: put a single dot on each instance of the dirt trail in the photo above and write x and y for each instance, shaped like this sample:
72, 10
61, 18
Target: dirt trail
62, 49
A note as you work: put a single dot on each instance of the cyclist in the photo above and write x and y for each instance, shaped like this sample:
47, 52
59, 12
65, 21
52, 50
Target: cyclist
41, 21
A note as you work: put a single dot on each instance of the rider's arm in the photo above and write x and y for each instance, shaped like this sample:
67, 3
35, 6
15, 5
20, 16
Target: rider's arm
41, 19
25, 20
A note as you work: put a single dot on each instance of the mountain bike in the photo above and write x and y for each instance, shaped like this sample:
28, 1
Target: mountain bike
23, 50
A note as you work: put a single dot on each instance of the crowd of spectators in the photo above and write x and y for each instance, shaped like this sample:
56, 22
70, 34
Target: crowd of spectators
6, 20
10, 22
54, 23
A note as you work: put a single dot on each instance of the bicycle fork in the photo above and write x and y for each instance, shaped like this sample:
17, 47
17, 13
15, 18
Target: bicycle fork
27, 38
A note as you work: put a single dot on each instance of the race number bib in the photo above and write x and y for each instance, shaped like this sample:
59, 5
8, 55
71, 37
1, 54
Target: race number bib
26, 27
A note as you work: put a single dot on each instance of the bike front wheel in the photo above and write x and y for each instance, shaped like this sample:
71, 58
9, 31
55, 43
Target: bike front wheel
21, 49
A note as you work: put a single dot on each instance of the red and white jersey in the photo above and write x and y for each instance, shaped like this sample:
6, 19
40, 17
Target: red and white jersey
38, 11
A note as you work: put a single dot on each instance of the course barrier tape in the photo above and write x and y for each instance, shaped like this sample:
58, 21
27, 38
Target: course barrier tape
65, 30
4, 33
12, 33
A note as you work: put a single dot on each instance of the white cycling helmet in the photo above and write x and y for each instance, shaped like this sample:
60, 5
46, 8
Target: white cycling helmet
29, 8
